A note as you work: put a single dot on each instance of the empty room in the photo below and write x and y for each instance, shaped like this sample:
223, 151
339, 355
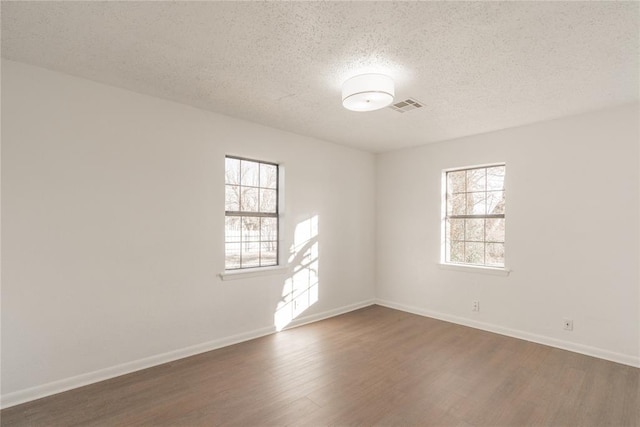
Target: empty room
320, 213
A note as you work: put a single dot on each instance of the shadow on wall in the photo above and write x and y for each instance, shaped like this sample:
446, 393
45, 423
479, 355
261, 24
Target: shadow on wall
300, 289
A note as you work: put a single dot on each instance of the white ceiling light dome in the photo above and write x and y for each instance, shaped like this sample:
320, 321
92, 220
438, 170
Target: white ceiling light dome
367, 92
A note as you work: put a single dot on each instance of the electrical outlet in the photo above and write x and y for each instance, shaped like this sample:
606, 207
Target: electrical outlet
475, 306
568, 324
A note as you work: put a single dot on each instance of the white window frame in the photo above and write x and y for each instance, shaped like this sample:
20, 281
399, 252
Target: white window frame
469, 268
281, 267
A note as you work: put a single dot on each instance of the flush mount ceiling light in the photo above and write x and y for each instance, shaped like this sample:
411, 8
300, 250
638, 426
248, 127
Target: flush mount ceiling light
367, 92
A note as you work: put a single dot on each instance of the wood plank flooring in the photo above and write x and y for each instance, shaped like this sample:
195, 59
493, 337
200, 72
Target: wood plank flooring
374, 366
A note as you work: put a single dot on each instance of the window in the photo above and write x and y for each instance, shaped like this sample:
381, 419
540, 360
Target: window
251, 213
474, 221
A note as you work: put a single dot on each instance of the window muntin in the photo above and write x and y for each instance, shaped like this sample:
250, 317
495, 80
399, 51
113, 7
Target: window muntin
251, 213
475, 216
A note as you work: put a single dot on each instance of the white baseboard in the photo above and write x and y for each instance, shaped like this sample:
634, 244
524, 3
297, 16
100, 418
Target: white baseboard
625, 359
33, 393
329, 313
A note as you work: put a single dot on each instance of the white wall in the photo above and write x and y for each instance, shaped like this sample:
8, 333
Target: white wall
113, 228
572, 233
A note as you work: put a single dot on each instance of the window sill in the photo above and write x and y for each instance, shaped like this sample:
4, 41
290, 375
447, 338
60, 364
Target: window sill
252, 272
475, 269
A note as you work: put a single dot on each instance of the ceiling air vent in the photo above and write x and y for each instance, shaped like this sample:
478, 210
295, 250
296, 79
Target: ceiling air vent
406, 105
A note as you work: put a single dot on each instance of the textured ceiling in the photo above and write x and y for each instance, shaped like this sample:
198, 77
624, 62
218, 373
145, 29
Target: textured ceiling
477, 66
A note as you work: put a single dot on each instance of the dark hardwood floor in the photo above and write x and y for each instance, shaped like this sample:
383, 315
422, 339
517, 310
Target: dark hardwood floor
374, 366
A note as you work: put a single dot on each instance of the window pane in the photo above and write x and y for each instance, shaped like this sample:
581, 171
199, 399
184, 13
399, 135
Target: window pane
495, 254
269, 229
476, 180
232, 171
495, 202
495, 230
474, 253
457, 252
251, 187
455, 182
232, 256
249, 174
250, 229
495, 178
249, 199
474, 229
232, 198
232, 229
268, 200
456, 229
476, 203
456, 204
250, 254
269, 253
475, 193
268, 176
